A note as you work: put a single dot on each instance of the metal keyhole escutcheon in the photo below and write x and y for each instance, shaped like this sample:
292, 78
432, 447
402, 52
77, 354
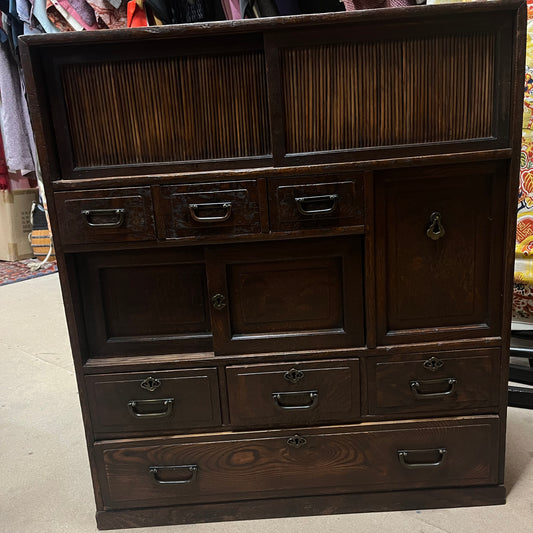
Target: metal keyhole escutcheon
436, 229
219, 301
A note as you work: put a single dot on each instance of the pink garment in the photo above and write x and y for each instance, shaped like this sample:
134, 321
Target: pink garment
353, 5
80, 11
109, 17
232, 9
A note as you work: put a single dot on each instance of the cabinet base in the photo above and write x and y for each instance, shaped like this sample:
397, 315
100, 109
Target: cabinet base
303, 506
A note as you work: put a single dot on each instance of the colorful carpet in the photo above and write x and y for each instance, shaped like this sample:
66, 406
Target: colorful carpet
13, 271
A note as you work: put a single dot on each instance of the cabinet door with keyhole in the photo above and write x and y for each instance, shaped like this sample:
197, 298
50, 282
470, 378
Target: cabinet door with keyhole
439, 252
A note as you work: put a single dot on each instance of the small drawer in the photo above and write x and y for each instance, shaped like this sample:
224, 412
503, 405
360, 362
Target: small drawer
103, 215
442, 381
147, 402
316, 202
228, 208
294, 393
226, 467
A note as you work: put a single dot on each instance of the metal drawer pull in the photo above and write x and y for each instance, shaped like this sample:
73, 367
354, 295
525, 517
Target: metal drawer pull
300, 204
193, 469
416, 386
403, 456
278, 398
119, 213
297, 441
436, 229
166, 404
195, 208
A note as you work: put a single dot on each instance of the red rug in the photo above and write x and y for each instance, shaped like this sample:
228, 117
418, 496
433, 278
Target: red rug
13, 271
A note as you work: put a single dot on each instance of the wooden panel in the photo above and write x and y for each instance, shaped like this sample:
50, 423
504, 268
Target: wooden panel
451, 282
165, 402
277, 395
167, 109
259, 466
112, 215
347, 95
288, 296
145, 302
296, 203
439, 382
228, 208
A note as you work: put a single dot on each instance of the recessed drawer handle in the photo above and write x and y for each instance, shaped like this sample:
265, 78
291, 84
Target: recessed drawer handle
195, 208
118, 213
165, 403
280, 399
436, 229
417, 385
155, 470
403, 456
302, 201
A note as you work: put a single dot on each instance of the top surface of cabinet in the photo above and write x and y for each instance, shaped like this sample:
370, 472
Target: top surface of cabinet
276, 92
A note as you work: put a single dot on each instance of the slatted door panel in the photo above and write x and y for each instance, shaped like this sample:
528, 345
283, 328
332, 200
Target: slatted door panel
169, 109
354, 95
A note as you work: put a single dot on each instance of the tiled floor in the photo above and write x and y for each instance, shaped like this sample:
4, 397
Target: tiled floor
44, 473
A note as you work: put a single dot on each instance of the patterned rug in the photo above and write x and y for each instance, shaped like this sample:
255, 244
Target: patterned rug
13, 271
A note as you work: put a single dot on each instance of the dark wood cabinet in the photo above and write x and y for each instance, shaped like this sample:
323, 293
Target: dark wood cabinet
286, 254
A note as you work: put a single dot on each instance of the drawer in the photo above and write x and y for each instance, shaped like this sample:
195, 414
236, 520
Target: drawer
294, 393
228, 208
374, 457
439, 382
148, 402
105, 215
316, 202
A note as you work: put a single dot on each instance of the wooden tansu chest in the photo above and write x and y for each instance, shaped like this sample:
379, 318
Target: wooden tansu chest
286, 254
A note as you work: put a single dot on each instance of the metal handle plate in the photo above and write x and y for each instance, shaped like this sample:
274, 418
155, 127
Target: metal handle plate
192, 469
165, 403
436, 230
296, 441
218, 301
194, 210
403, 456
280, 399
301, 202
416, 387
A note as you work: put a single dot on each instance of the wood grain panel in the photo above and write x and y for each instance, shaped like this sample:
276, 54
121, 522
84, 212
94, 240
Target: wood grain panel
167, 109
356, 95
337, 461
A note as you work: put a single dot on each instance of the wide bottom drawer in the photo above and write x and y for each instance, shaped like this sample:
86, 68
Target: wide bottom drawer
370, 457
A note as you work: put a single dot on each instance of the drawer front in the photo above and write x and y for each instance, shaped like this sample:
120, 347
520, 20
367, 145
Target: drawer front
317, 202
229, 208
294, 393
431, 383
142, 403
114, 215
387, 457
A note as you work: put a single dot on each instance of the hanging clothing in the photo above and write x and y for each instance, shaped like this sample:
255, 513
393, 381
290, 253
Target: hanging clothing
39, 12
15, 131
108, 15
232, 9
136, 14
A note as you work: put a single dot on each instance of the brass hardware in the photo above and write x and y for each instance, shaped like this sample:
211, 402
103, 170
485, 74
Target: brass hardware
403, 456
219, 301
417, 385
293, 375
278, 398
195, 208
151, 384
297, 441
433, 364
300, 204
193, 469
436, 230
166, 403
119, 213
